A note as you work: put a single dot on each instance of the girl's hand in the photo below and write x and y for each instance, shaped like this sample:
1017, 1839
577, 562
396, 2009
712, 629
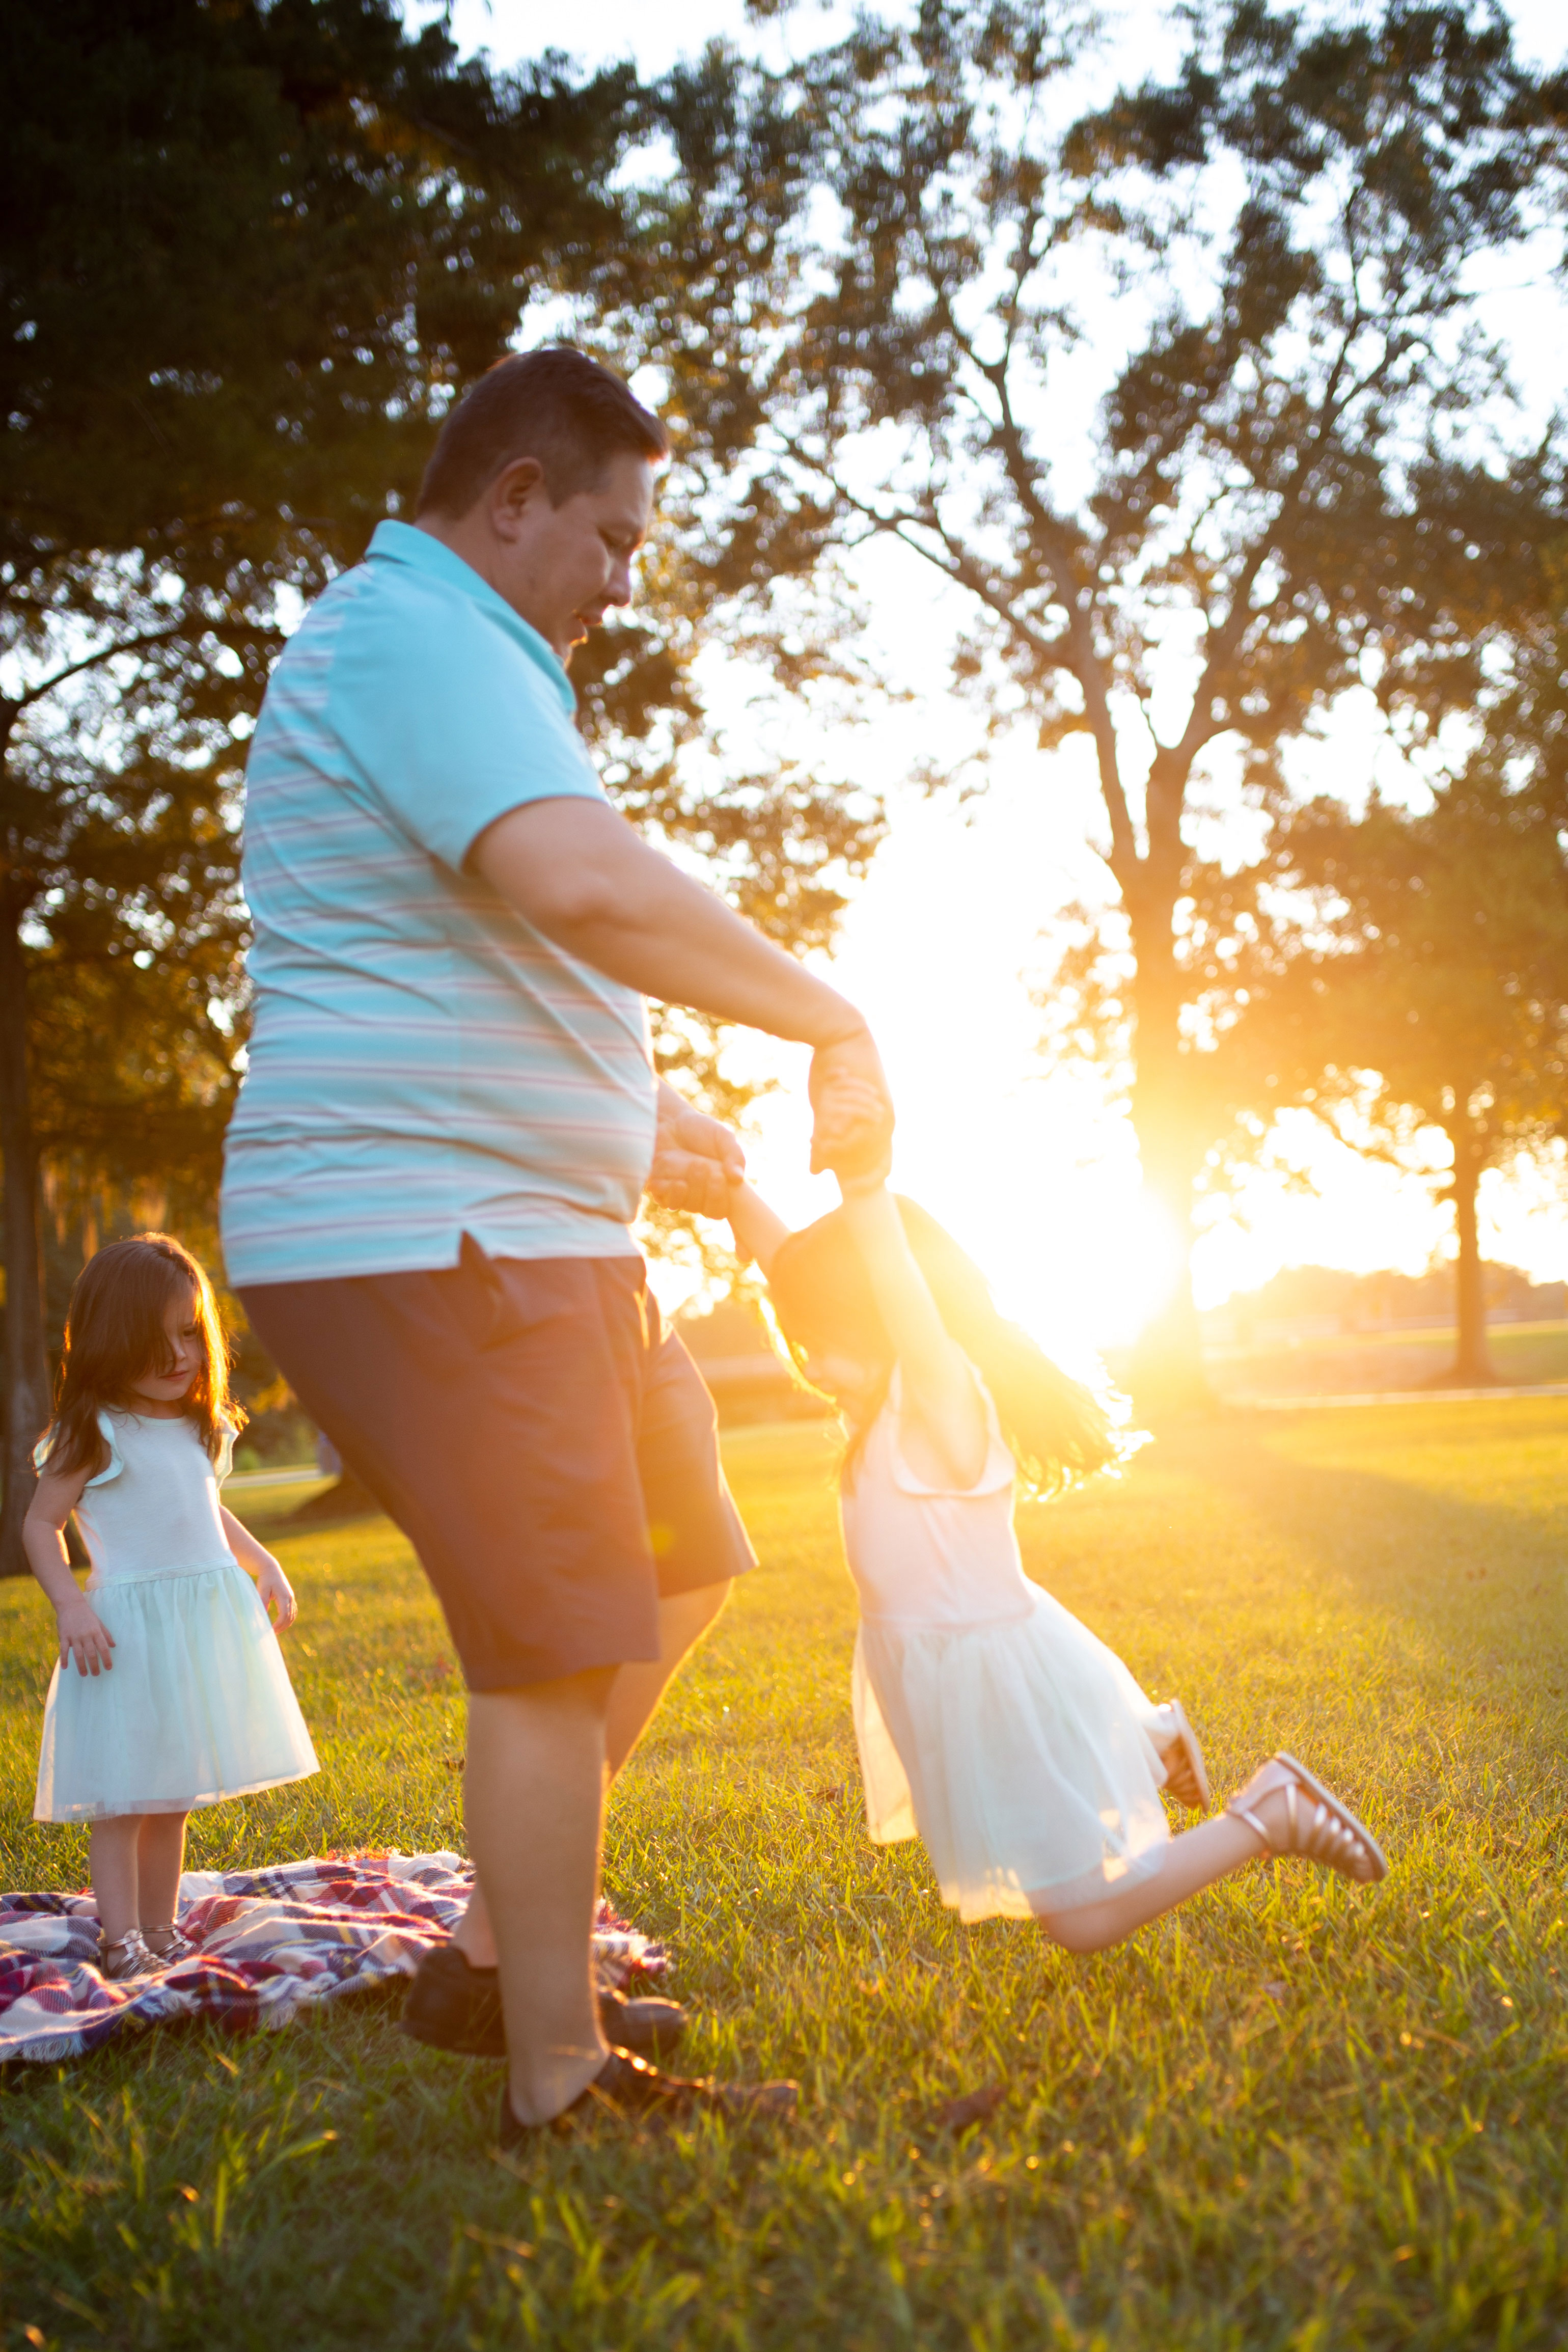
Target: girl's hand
850, 1129
85, 1636
697, 1159
277, 1596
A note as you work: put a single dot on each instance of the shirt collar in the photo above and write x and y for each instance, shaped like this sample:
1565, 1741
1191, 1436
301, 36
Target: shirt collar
401, 542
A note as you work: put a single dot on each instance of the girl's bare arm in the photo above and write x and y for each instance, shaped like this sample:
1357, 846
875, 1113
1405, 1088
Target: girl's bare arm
938, 1388
82, 1633
757, 1230
276, 1592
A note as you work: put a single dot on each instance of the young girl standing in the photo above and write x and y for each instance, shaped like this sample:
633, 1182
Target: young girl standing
990, 1723
179, 1694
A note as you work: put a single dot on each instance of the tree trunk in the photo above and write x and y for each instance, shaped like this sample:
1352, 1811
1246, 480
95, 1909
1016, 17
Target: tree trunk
27, 1371
1472, 1363
1167, 1371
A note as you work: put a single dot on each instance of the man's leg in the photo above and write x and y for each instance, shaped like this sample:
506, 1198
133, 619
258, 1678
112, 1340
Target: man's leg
684, 1619
635, 1693
534, 1796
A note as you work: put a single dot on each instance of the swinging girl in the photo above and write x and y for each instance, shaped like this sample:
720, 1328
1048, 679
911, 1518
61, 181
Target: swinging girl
991, 1722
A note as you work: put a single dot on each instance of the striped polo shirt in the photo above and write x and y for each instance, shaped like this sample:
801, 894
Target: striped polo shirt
424, 1062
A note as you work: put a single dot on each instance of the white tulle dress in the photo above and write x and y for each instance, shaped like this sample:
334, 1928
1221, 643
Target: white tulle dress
198, 1705
990, 1723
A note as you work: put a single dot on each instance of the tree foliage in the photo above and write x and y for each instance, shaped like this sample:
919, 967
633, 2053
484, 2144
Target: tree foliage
1412, 974
1305, 474
249, 255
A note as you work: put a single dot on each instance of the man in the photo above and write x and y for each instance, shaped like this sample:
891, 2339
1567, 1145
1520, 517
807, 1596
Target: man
445, 1126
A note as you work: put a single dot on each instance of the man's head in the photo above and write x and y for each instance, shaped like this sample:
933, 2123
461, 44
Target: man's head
543, 481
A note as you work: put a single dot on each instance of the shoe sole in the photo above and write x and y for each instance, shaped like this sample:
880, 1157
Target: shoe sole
431, 2037
454, 2046
1186, 1740
769, 2102
1311, 1782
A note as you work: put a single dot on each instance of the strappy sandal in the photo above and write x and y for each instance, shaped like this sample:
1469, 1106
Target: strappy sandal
1323, 1828
1186, 1778
170, 1955
128, 1956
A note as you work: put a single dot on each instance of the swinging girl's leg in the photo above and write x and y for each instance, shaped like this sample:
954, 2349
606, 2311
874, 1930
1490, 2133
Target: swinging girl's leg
1281, 1810
1195, 1859
160, 1857
112, 1849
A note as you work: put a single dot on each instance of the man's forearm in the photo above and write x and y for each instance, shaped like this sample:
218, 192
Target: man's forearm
578, 874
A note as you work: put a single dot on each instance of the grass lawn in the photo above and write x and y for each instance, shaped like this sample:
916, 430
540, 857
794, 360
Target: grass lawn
1355, 1363
1292, 2116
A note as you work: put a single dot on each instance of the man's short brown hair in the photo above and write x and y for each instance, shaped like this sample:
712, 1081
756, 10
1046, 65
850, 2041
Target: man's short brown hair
556, 406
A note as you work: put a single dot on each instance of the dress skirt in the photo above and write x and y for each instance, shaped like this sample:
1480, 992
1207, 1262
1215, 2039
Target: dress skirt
1019, 1751
197, 1706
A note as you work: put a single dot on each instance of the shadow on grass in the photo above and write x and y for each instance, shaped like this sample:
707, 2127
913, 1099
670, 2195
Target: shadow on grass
1483, 1581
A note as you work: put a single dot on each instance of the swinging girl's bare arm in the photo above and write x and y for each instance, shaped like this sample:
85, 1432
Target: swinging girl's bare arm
758, 1229
938, 1387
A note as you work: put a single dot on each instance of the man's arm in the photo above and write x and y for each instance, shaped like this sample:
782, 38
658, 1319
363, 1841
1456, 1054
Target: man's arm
579, 874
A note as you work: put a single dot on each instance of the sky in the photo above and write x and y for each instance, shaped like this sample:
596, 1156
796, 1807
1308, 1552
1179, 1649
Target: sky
940, 943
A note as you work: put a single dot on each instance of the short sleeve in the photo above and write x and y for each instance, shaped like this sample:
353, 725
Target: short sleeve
453, 711
111, 1468
997, 1470
226, 1461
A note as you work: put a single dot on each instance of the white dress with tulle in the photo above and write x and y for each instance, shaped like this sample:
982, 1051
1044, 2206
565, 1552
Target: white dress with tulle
990, 1723
197, 1704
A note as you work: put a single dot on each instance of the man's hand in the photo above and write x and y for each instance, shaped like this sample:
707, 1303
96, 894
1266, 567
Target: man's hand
695, 1159
852, 1132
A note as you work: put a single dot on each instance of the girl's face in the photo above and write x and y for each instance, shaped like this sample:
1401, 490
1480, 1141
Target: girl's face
165, 1391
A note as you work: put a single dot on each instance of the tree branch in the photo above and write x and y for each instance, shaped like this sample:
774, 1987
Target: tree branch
21, 702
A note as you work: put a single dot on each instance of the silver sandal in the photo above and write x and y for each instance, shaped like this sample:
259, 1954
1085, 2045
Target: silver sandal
1322, 1829
1176, 1741
128, 1956
170, 1955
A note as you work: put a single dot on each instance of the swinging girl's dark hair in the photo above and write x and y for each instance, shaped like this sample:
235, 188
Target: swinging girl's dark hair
822, 1301
114, 1333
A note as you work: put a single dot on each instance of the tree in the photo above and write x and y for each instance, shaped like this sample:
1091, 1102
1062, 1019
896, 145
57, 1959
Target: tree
1415, 974
1302, 481
247, 255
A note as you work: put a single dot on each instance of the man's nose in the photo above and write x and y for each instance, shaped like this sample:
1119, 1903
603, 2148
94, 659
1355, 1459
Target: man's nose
620, 588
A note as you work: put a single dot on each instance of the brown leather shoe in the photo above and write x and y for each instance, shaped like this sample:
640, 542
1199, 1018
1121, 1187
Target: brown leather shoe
452, 2005
626, 2085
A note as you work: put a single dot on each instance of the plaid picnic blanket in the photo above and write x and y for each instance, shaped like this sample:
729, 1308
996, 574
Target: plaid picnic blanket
270, 1942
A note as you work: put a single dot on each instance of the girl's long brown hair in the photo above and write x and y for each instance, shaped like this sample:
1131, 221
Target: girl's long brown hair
822, 1301
114, 1334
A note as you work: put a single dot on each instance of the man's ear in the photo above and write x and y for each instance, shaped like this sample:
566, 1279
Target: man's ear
516, 489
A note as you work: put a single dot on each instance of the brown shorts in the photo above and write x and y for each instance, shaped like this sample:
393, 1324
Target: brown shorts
538, 1433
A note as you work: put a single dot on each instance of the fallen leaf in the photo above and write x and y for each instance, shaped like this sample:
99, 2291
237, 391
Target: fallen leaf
973, 2108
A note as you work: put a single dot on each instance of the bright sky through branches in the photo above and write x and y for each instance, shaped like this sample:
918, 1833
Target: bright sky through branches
1032, 1174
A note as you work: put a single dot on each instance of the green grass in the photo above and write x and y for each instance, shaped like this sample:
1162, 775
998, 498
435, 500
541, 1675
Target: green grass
1292, 2115
1356, 1363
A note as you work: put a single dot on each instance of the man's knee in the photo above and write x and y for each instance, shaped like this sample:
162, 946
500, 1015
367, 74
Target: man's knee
685, 1617
567, 1694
